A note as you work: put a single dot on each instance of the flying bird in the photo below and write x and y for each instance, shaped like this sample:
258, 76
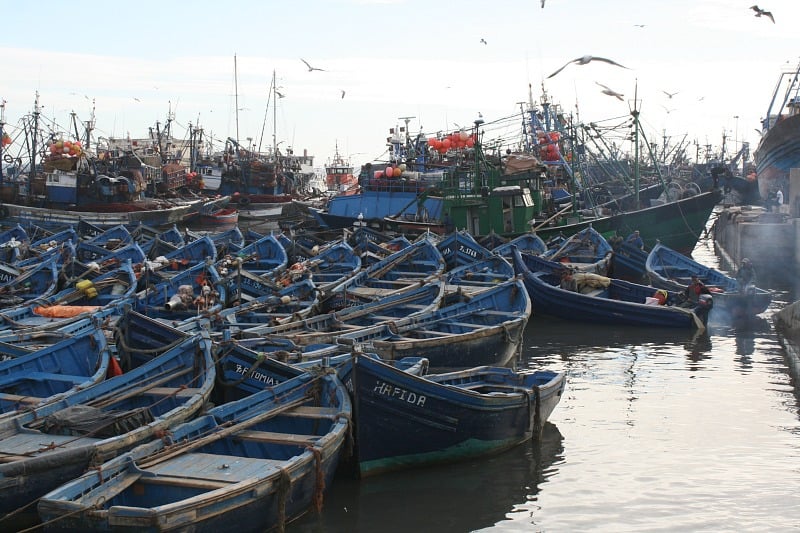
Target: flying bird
610, 92
760, 12
669, 95
136, 99
542, 4
483, 40
668, 110
585, 60
310, 68
640, 25
342, 93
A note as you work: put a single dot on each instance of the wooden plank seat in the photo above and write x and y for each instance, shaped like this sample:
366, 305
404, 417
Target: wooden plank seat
310, 411
278, 438
166, 391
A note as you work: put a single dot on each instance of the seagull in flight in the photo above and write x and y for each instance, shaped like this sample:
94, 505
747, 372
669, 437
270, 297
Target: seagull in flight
669, 95
310, 68
483, 40
610, 92
585, 60
760, 12
342, 93
136, 99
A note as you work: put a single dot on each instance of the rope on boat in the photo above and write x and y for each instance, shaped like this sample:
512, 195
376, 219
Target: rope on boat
537, 416
284, 484
319, 485
97, 505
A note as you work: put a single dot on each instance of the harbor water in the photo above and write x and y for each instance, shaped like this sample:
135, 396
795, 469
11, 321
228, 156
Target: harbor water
657, 431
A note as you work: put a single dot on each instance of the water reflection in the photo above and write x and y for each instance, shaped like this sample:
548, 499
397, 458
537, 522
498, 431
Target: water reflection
549, 342
698, 347
460, 497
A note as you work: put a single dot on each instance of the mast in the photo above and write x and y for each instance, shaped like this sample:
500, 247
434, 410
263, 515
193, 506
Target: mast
236, 96
32, 170
635, 115
274, 118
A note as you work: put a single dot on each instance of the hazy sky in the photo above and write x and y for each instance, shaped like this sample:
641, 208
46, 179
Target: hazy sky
393, 58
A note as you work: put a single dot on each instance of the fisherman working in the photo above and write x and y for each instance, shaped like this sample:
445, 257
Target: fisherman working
568, 282
615, 241
693, 291
746, 275
635, 239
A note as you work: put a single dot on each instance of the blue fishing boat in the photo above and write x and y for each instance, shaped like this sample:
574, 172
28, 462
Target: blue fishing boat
62, 243
603, 300
249, 465
628, 263
104, 258
226, 241
63, 368
12, 243
460, 248
586, 250
186, 256
372, 246
486, 328
18, 286
275, 305
147, 237
102, 420
527, 243
111, 238
405, 268
84, 294
404, 421
263, 257
195, 291
671, 270
324, 328
482, 273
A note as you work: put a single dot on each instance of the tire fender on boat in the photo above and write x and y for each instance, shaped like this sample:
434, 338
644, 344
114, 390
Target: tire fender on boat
243, 201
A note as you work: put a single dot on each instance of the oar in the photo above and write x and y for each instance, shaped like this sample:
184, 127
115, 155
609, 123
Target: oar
564, 210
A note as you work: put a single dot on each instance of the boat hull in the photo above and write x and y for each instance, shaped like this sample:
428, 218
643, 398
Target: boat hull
60, 218
778, 151
606, 308
405, 421
670, 270
680, 224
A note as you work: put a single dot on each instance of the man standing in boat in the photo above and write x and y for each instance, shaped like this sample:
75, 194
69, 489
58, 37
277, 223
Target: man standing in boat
746, 275
635, 239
